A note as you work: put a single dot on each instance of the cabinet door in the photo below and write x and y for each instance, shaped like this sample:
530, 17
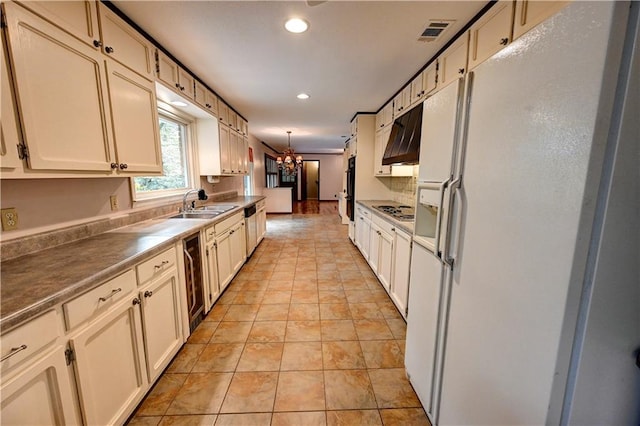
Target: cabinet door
9, 132
490, 33
401, 268
388, 113
41, 394
430, 78
80, 18
110, 367
223, 254
135, 121
187, 83
62, 132
363, 231
212, 103
223, 112
200, 94
238, 247
417, 89
453, 62
233, 151
161, 320
232, 119
123, 43
212, 285
380, 119
528, 14
225, 149
262, 223
245, 155
167, 71
374, 248
385, 259
382, 138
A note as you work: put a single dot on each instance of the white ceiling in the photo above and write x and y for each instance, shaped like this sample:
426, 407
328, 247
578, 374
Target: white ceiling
354, 57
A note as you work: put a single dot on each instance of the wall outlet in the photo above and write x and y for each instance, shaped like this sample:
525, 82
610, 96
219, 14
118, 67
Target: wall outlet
113, 199
9, 219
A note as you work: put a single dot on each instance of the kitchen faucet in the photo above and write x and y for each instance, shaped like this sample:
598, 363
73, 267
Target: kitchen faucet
201, 196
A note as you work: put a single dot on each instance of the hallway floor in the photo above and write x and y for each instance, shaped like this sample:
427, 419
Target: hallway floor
304, 335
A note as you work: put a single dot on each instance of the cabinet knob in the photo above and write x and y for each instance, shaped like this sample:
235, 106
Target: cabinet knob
114, 165
460, 70
108, 49
123, 166
208, 105
504, 41
148, 293
97, 43
136, 301
177, 85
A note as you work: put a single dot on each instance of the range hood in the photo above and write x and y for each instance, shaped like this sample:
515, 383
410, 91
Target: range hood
403, 146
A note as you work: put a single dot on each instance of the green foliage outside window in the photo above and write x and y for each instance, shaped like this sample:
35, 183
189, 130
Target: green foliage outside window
174, 160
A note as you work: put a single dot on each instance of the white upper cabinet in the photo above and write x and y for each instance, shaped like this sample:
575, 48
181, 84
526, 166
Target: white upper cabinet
490, 33
79, 18
62, 91
135, 121
402, 101
205, 98
424, 83
384, 117
528, 14
9, 130
123, 43
187, 84
452, 64
173, 76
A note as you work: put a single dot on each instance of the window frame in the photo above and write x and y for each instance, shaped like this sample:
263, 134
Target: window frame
190, 155
267, 159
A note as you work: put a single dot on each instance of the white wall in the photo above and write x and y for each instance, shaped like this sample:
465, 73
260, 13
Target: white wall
331, 173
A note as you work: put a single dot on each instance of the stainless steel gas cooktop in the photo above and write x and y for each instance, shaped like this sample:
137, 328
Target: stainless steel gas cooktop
402, 213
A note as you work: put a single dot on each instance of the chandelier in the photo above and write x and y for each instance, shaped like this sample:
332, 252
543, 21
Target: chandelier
291, 162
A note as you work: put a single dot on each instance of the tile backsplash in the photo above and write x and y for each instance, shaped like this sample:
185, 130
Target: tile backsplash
403, 189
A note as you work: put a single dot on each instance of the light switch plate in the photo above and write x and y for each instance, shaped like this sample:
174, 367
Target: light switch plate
9, 219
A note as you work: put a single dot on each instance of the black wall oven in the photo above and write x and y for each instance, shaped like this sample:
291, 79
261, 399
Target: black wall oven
351, 188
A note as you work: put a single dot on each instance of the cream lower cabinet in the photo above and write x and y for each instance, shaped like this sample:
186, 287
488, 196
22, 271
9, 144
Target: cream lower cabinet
40, 394
381, 251
261, 220
36, 384
363, 230
161, 322
231, 248
110, 365
401, 268
212, 284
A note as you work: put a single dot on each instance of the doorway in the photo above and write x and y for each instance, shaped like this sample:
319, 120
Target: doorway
311, 180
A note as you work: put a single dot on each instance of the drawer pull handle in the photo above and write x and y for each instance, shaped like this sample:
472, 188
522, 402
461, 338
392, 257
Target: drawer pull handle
13, 352
164, 262
113, 293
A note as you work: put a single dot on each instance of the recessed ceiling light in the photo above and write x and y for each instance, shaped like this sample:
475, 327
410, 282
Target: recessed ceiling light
303, 96
296, 25
179, 103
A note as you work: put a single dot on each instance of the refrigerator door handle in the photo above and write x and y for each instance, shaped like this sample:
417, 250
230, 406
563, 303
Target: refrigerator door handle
451, 240
441, 189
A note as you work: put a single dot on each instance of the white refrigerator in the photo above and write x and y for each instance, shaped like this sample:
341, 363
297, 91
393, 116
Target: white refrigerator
500, 277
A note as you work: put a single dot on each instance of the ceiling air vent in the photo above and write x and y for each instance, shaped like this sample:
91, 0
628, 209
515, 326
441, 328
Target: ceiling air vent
434, 30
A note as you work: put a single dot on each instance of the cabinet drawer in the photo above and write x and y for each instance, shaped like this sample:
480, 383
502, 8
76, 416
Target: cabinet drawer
99, 299
156, 266
228, 223
28, 339
364, 212
210, 233
260, 204
383, 224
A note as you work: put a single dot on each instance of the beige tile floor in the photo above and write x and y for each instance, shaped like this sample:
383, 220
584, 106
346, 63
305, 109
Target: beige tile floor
304, 335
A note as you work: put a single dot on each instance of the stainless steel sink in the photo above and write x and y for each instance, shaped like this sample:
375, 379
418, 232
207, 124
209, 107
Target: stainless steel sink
221, 208
200, 215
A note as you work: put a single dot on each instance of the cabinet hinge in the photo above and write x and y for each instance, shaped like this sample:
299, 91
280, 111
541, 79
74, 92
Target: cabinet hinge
3, 20
210, 297
69, 355
23, 151
207, 250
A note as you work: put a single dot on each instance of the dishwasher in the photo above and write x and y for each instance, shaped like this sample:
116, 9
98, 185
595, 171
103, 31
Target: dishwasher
251, 226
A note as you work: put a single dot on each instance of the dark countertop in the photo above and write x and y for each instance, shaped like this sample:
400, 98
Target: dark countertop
34, 283
404, 225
